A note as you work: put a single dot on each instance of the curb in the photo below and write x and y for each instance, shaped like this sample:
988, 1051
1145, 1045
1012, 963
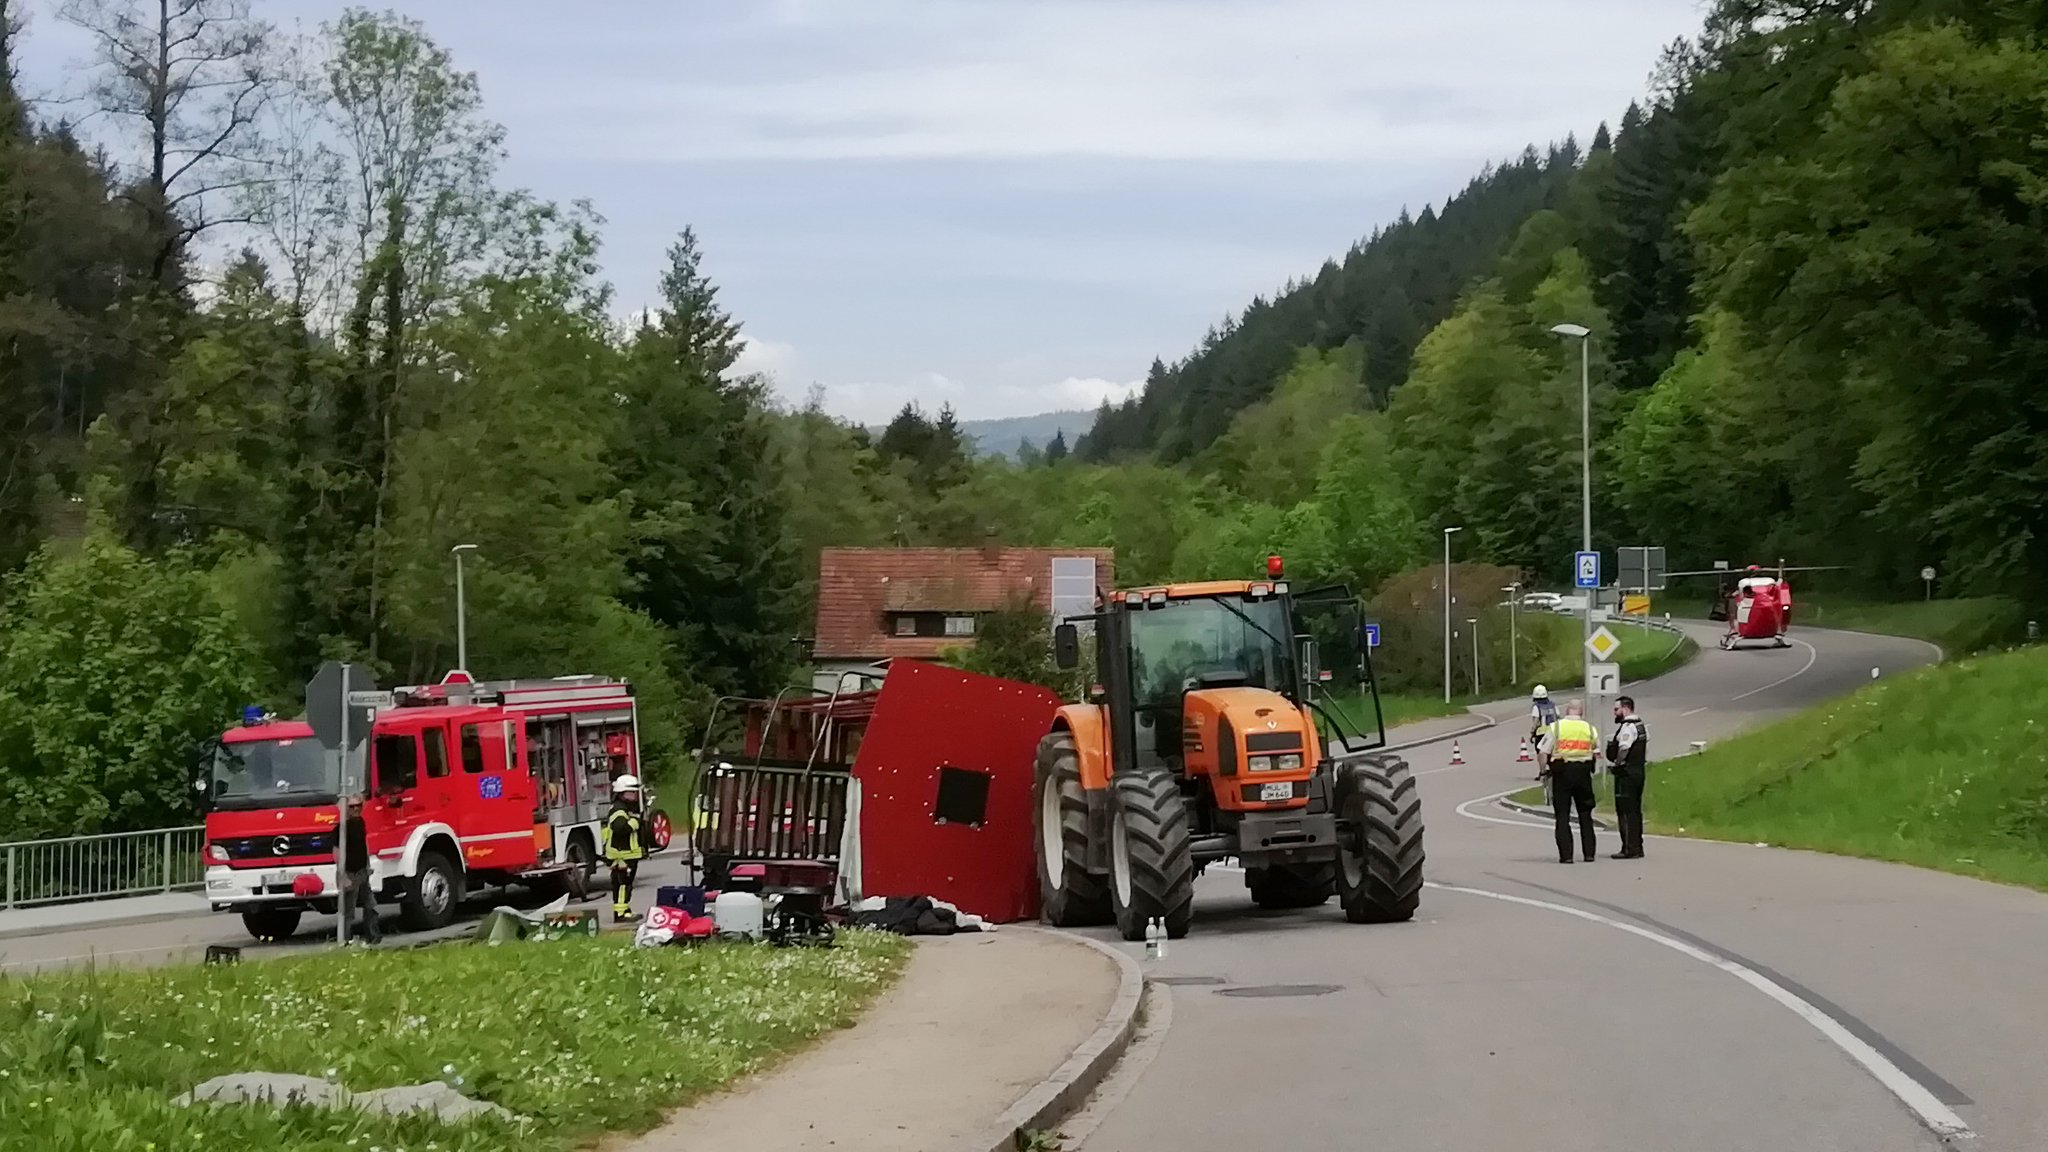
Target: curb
1485, 723
1071, 1083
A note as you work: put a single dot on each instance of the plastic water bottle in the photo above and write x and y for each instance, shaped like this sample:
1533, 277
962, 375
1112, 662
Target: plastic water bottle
1162, 937
1155, 945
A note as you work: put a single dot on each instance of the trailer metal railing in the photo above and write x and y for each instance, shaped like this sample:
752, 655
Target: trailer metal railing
77, 868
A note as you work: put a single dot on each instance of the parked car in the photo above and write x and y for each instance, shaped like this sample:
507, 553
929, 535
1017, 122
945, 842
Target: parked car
1541, 602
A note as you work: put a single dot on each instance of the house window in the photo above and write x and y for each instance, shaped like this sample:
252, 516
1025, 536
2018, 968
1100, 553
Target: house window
906, 625
959, 625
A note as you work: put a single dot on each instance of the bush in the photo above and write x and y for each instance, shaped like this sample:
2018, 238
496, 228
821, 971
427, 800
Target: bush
113, 669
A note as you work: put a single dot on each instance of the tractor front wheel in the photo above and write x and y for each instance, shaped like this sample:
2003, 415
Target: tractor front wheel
1069, 896
1151, 872
1379, 864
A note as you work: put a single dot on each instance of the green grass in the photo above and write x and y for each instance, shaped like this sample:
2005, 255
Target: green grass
1408, 708
579, 1037
1945, 767
1645, 652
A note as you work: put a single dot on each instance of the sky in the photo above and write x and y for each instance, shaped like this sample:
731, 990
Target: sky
1009, 206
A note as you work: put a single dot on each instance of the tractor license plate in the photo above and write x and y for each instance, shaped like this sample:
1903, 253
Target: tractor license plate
1272, 792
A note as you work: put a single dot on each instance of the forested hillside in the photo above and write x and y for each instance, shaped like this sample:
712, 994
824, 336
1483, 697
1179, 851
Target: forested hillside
288, 339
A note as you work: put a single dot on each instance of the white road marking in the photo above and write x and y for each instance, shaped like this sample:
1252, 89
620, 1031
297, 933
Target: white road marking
1465, 810
1916, 1096
1694, 712
1812, 654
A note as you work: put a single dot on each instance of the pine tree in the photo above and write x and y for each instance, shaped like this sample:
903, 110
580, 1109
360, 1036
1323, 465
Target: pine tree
713, 563
1057, 450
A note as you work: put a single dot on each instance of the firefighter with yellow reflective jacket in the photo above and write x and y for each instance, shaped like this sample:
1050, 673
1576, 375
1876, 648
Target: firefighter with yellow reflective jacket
624, 845
1571, 743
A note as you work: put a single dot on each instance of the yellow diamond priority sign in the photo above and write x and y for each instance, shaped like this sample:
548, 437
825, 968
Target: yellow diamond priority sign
1602, 643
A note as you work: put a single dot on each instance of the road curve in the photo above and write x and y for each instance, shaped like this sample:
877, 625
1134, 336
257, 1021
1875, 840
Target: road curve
1711, 998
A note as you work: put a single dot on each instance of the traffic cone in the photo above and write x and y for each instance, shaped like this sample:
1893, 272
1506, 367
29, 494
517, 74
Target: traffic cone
1457, 757
1523, 756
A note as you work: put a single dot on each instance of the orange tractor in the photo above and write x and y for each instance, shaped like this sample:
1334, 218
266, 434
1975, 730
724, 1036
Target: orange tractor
1213, 732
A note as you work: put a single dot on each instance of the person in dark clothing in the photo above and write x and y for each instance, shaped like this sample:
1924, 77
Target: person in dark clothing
625, 845
1570, 744
1628, 750
355, 889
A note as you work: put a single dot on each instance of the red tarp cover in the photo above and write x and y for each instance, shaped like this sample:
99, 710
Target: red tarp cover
931, 717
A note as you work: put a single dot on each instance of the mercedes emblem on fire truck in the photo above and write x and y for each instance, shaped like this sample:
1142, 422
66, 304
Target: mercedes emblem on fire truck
281, 845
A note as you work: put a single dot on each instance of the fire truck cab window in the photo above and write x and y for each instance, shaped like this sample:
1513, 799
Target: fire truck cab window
397, 764
437, 753
472, 749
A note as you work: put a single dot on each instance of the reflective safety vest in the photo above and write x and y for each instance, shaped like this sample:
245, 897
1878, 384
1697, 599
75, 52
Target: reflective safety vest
1572, 739
622, 835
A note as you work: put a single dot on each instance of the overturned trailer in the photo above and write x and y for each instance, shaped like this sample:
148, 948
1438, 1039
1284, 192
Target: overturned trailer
920, 788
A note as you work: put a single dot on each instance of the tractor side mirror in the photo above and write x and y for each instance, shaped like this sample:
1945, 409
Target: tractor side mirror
1311, 670
1066, 647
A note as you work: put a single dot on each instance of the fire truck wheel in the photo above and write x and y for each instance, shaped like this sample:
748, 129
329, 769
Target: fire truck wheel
1291, 885
583, 857
1151, 870
271, 923
659, 829
1069, 896
433, 895
1379, 837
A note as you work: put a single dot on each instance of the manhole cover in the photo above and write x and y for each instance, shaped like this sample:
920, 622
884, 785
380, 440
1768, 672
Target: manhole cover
1261, 990
1177, 981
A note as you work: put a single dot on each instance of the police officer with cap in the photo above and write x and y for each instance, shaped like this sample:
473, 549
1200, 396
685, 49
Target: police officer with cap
1628, 751
624, 846
1571, 744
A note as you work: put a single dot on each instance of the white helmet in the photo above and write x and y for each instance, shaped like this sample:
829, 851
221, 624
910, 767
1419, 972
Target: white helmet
1541, 693
626, 783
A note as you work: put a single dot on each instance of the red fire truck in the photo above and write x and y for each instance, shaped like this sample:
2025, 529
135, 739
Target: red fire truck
469, 784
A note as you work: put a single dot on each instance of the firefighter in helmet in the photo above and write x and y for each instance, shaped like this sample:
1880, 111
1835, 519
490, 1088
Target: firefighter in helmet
624, 845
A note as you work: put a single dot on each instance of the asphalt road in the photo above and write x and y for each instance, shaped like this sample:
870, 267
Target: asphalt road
1712, 997
186, 937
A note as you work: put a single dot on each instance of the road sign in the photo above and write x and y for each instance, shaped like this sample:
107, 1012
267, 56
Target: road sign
1635, 605
1586, 570
1640, 569
1603, 679
1602, 643
1927, 573
334, 684
1372, 635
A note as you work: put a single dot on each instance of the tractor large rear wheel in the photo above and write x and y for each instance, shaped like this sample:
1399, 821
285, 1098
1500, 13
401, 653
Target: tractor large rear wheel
1379, 861
1069, 896
1290, 885
1151, 872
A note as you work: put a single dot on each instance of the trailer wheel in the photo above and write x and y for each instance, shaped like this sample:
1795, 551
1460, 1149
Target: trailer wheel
1069, 896
272, 923
432, 897
1379, 858
1151, 873
1282, 886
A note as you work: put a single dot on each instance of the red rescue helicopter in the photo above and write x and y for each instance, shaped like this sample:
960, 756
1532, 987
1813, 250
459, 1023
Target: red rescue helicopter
1755, 602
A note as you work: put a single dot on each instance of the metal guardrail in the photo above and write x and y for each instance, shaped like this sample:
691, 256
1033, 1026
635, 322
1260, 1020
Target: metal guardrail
79, 868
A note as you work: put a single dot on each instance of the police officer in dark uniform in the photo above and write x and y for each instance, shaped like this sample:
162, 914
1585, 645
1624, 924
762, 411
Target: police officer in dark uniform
624, 846
1628, 750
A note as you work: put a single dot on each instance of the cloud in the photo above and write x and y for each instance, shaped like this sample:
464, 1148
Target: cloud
873, 402
1322, 81
765, 358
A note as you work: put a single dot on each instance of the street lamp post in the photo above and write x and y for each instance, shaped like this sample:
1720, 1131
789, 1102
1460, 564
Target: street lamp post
1584, 336
1447, 611
1474, 622
1514, 592
461, 610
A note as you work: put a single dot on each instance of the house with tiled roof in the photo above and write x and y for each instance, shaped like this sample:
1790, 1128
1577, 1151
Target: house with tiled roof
878, 604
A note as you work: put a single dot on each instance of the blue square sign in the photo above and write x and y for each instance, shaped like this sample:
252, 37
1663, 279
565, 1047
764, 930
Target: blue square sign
1372, 635
1585, 570
491, 787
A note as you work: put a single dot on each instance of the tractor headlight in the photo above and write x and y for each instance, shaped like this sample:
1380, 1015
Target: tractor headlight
1260, 764
1290, 762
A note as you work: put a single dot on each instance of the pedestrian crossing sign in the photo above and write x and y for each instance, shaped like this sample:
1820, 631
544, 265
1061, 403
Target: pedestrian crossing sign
1602, 643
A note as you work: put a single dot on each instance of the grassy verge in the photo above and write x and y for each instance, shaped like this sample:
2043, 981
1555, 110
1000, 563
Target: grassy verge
1645, 652
1960, 626
578, 1037
1946, 768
